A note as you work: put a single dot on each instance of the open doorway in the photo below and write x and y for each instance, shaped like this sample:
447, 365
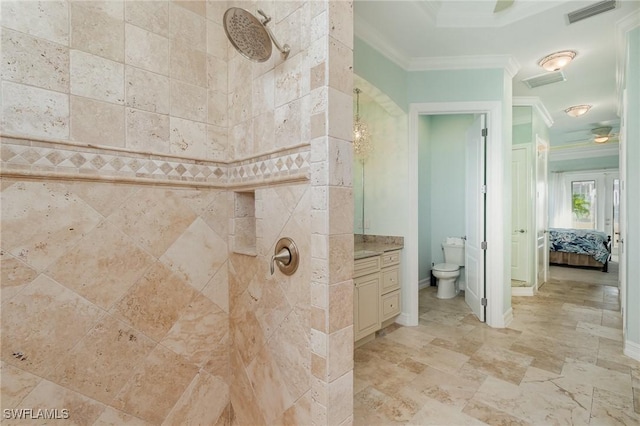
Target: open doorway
492, 271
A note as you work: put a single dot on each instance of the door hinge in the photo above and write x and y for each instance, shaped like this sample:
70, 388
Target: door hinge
483, 301
485, 132
483, 245
483, 189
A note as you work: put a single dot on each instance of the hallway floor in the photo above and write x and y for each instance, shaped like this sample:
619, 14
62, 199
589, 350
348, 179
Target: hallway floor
559, 362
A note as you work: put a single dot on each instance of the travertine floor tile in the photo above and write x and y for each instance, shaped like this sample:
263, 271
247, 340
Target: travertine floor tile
560, 361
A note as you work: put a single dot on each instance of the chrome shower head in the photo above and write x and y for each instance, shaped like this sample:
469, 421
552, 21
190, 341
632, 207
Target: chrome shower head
251, 37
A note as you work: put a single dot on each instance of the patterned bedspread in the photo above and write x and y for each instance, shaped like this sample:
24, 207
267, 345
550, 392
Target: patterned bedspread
581, 241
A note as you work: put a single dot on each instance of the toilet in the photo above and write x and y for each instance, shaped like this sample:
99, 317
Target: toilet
447, 273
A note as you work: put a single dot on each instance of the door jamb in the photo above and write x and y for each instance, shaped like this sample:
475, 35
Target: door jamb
496, 219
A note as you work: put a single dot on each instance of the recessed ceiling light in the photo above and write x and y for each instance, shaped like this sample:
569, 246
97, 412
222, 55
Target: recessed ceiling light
577, 110
557, 61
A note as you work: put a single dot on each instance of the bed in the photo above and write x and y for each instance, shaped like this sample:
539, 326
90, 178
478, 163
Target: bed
579, 247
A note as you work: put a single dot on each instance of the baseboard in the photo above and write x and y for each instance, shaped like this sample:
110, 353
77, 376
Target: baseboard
632, 350
424, 283
403, 319
523, 291
508, 317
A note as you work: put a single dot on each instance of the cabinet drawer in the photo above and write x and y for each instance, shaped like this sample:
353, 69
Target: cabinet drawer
390, 258
390, 305
368, 265
390, 280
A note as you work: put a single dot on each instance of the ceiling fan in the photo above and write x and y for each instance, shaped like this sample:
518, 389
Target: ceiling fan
603, 134
502, 5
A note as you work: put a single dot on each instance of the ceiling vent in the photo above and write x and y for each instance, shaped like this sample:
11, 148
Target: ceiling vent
544, 79
589, 11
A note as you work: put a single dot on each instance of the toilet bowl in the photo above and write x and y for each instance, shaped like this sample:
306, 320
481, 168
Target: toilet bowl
447, 273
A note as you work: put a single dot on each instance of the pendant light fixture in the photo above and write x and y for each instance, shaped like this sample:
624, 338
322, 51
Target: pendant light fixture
361, 137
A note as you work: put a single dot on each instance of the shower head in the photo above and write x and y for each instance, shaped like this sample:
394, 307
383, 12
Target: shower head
251, 37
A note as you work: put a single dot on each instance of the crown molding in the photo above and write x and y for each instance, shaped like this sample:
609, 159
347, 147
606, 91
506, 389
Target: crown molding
536, 103
449, 14
585, 151
367, 33
506, 62
622, 27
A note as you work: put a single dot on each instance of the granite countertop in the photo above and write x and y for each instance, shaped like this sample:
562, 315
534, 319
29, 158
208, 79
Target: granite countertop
374, 245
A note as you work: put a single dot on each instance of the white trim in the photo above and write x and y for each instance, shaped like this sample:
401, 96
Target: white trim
622, 27
371, 36
506, 62
524, 291
365, 32
424, 283
403, 319
579, 152
507, 318
536, 103
632, 349
496, 146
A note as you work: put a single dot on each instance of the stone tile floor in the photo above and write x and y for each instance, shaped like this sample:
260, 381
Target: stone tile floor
560, 361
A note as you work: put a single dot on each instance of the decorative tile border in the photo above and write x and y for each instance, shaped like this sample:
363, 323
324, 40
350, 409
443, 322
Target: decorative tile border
293, 165
48, 159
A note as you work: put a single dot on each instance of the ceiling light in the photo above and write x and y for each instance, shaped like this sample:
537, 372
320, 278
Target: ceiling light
557, 61
601, 134
577, 110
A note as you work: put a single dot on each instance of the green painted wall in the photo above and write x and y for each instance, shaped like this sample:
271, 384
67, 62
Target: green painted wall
455, 85
446, 166
539, 127
369, 64
441, 185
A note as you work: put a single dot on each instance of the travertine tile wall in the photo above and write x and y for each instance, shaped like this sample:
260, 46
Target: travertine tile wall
157, 85
292, 337
154, 72
115, 302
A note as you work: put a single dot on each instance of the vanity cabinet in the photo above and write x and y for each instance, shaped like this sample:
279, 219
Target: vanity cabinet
366, 307
376, 293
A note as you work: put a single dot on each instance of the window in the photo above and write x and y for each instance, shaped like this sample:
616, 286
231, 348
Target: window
583, 204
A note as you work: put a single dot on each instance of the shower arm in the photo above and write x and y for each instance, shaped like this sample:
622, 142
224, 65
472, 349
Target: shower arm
283, 49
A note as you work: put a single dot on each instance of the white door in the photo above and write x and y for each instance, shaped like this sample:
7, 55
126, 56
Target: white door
542, 215
520, 207
474, 217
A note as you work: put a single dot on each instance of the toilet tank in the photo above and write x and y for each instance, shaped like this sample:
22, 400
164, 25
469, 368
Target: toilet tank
454, 251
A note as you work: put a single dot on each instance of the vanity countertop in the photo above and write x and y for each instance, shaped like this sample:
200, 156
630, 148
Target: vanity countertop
375, 245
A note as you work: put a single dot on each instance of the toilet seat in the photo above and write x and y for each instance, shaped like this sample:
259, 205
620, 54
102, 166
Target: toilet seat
445, 267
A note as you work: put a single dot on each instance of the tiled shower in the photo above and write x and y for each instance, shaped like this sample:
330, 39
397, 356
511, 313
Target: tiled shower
147, 172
